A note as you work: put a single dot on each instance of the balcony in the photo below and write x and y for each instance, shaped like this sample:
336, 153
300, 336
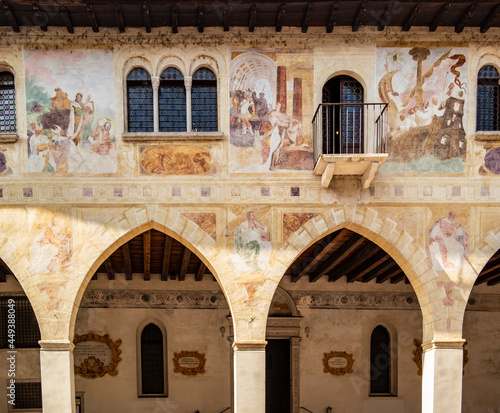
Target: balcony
349, 139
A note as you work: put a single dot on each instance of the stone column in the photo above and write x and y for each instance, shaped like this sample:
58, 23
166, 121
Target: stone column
155, 82
188, 82
58, 376
249, 377
442, 376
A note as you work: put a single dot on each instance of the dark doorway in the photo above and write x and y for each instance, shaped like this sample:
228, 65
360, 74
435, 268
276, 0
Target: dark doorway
343, 121
278, 376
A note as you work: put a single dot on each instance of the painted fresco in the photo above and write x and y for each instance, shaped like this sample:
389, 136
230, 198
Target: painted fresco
4, 163
491, 164
448, 243
426, 92
292, 222
206, 221
266, 131
176, 160
252, 247
70, 106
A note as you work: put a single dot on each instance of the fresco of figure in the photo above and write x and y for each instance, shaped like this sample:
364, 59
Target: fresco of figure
252, 247
448, 243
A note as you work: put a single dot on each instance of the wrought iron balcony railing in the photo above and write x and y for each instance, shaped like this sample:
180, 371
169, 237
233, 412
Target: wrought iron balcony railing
350, 129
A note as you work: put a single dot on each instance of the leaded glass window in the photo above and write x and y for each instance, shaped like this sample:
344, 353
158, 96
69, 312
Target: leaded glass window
7, 103
152, 362
488, 99
352, 95
204, 101
380, 361
140, 101
27, 330
172, 101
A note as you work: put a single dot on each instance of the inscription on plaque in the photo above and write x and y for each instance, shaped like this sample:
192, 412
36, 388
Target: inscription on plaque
189, 363
96, 355
338, 363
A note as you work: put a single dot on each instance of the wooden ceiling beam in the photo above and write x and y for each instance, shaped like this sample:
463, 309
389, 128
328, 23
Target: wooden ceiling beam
200, 19
331, 18
253, 18
127, 261
201, 272
119, 17
319, 253
174, 12
40, 18
3, 277
328, 265
226, 18
92, 18
494, 281
67, 20
490, 19
10, 17
146, 16
109, 269
279, 18
398, 278
377, 271
359, 15
184, 265
307, 17
388, 275
439, 17
487, 276
146, 247
410, 21
377, 259
354, 262
466, 18
166, 258
385, 17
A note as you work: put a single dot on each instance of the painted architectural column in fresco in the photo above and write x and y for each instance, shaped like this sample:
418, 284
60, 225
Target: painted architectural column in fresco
249, 363
297, 98
188, 82
442, 377
155, 81
281, 88
58, 377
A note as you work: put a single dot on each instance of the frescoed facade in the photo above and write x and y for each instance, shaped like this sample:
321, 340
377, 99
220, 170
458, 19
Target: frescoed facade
220, 208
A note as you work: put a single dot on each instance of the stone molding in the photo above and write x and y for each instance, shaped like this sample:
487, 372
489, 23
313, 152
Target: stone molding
153, 298
249, 346
56, 345
443, 345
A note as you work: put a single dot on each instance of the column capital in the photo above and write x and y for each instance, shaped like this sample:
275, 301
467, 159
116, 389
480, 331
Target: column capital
249, 345
188, 81
443, 345
56, 345
155, 81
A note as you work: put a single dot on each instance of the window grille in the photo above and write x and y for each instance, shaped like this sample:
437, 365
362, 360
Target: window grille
7, 103
28, 395
140, 101
172, 101
152, 363
204, 101
26, 326
488, 99
380, 361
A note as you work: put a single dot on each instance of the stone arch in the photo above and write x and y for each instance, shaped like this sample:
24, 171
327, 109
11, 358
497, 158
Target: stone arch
478, 258
386, 233
204, 60
171, 60
350, 73
282, 295
135, 221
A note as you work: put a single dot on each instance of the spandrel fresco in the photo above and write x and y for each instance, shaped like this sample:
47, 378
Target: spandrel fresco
268, 129
426, 91
70, 107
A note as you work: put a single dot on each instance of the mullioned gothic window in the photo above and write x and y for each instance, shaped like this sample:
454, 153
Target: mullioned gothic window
7, 103
488, 99
172, 101
140, 101
204, 101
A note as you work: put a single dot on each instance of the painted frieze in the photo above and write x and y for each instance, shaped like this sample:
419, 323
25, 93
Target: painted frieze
426, 91
70, 107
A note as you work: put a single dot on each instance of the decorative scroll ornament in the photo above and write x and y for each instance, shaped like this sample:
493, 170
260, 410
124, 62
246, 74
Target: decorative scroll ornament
338, 363
417, 356
96, 355
189, 363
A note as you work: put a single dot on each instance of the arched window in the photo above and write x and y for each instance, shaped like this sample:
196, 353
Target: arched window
172, 101
7, 103
140, 101
153, 362
488, 100
380, 361
342, 116
204, 101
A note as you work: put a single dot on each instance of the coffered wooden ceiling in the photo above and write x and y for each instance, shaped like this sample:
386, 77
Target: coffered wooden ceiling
148, 14
341, 254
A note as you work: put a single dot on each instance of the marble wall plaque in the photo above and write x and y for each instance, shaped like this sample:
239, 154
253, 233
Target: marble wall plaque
96, 355
337, 363
189, 363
